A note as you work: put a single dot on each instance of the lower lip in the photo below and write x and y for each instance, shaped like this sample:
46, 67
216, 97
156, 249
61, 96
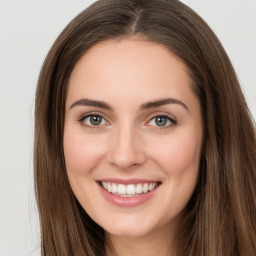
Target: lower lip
127, 201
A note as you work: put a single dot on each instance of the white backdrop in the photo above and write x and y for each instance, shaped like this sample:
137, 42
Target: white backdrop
27, 30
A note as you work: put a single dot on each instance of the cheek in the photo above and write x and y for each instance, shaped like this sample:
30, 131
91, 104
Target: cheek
82, 156
81, 153
179, 155
179, 159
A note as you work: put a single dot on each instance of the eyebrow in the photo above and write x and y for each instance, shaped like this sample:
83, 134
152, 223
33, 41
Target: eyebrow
148, 105
93, 103
162, 102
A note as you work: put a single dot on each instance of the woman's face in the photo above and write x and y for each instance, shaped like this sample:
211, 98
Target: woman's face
132, 136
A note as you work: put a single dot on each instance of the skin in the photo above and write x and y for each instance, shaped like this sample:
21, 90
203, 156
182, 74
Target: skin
129, 143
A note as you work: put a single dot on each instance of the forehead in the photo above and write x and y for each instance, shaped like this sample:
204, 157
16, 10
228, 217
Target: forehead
131, 50
129, 67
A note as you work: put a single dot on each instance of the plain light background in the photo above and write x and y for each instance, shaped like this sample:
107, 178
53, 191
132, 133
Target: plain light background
27, 30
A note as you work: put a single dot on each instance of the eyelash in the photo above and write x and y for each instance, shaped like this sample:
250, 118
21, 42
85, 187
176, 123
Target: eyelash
82, 119
163, 115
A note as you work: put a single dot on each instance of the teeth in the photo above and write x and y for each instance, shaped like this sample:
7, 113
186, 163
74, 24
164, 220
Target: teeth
139, 189
151, 186
128, 190
114, 188
121, 189
109, 187
105, 185
145, 188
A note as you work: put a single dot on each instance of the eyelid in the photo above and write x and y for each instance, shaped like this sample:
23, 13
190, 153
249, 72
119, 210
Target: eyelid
96, 113
85, 115
164, 114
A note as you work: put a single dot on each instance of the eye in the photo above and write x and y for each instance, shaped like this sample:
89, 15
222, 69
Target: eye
93, 120
162, 121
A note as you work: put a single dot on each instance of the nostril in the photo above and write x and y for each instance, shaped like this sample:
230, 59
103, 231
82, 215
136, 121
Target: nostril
127, 158
125, 151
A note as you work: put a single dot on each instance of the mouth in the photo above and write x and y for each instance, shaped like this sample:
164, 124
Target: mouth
129, 190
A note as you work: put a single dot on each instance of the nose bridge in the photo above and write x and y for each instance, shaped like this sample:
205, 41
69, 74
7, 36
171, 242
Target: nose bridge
126, 150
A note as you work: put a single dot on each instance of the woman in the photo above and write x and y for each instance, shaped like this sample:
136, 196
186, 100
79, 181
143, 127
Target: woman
144, 144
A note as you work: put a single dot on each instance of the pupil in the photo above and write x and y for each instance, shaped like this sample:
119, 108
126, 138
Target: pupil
161, 121
95, 120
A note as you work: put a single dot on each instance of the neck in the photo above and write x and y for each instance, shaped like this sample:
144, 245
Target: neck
158, 242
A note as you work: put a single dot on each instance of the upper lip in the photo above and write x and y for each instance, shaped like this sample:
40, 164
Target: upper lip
127, 181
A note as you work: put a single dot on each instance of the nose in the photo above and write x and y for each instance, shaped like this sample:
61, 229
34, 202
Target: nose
126, 150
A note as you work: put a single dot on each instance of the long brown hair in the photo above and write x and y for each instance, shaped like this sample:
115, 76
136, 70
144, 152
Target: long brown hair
220, 218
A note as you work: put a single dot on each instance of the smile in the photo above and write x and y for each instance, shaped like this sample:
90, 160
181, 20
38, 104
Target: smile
129, 190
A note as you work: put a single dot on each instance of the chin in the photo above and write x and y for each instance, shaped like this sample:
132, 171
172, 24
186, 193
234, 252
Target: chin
128, 228
127, 231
